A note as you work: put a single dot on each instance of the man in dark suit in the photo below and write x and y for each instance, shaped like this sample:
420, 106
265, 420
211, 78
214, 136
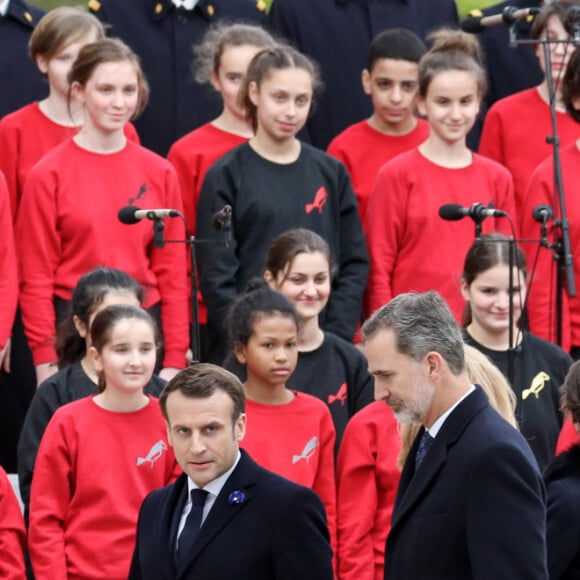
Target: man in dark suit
254, 524
22, 82
471, 502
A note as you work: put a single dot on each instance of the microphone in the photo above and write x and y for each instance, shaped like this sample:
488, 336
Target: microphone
131, 214
222, 220
477, 212
477, 22
542, 213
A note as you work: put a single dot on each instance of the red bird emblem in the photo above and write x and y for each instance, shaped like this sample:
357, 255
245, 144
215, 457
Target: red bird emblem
319, 200
340, 395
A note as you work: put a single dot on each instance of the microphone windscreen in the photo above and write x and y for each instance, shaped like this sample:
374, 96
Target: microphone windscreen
451, 212
126, 215
472, 24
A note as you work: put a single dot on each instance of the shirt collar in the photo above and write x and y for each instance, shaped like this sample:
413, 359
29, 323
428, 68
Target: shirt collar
436, 427
187, 4
215, 486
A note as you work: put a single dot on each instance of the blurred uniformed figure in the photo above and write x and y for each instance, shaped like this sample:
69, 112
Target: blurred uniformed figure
162, 33
337, 34
510, 69
21, 81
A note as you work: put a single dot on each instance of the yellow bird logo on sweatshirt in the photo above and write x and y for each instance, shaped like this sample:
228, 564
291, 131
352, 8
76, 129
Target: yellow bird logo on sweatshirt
536, 386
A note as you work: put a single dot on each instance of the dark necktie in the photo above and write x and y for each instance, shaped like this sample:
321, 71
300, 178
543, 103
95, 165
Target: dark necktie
192, 524
423, 448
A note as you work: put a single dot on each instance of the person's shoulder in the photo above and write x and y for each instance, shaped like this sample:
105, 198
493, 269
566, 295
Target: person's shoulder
565, 465
254, 9
352, 132
508, 104
192, 140
282, 487
25, 13
538, 345
305, 403
55, 157
16, 119
377, 412
343, 347
234, 159
311, 152
158, 496
73, 412
490, 166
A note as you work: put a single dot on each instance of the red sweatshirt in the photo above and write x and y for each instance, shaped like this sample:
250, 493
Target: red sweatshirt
192, 156
12, 533
296, 440
69, 225
8, 267
365, 150
514, 134
25, 137
93, 470
410, 246
542, 294
367, 481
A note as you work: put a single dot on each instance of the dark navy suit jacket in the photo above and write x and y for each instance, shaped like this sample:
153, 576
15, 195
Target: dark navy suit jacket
278, 532
474, 509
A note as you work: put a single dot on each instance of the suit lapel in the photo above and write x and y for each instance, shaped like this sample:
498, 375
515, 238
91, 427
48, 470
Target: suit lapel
243, 478
413, 486
169, 524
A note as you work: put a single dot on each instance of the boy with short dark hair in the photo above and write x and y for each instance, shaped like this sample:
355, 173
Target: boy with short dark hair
390, 79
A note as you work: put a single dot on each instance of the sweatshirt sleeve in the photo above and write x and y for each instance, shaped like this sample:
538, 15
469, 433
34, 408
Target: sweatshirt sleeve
39, 254
45, 402
492, 141
9, 277
9, 147
324, 482
218, 263
12, 533
186, 170
344, 310
384, 227
170, 266
357, 501
50, 498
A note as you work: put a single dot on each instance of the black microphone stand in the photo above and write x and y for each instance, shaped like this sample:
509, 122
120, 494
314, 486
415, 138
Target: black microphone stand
562, 246
192, 241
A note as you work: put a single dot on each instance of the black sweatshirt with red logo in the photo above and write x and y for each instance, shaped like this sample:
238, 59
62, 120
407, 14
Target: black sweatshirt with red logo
267, 199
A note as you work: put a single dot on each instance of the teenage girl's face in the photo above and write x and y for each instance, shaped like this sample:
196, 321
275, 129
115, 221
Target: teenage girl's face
488, 296
110, 298
560, 52
392, 85
128, 358
110, 96
451, 105
58, 66
283, 102
271, 353
306, 283
230, 76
